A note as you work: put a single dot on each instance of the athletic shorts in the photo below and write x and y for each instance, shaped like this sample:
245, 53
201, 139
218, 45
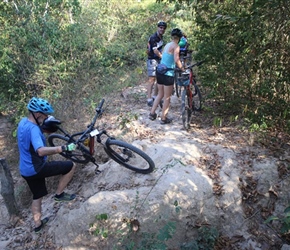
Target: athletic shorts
36, 182
151, 67
165, 80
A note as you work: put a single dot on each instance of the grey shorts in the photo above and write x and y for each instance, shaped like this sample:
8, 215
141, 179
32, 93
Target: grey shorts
151, 67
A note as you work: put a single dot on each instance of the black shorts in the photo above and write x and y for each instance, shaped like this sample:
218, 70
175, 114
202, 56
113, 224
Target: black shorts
164, 79
36, 182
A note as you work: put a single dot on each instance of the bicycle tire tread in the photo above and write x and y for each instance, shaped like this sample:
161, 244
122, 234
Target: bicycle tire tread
119, 159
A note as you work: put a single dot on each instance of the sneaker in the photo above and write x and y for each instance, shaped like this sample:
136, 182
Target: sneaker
152, 117
64, 197
37, 230
150, 102
166, 121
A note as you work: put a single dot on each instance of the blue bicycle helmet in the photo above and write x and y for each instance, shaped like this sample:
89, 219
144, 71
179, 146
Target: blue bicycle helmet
39, 105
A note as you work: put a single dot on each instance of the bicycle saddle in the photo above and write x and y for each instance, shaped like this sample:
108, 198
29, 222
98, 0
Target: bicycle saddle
50, 124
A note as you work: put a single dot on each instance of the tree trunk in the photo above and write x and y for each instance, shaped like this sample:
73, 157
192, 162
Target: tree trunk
7, 189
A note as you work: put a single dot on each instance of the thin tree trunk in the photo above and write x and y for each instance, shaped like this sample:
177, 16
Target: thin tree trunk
7, 189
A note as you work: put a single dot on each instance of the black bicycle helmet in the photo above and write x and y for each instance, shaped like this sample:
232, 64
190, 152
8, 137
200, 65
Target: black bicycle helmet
176, 32
162, 23
39, 105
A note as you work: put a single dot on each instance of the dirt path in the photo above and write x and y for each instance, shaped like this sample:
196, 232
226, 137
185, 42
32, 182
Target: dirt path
249, 152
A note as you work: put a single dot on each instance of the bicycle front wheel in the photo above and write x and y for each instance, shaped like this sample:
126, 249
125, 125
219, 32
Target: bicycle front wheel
129, 156
186, 111
196, 99
78, 155
178, 88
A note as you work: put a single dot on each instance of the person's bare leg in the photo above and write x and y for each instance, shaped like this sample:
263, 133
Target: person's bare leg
64, 180
150, 85
167, 94
155, 88
36, 211
158, 98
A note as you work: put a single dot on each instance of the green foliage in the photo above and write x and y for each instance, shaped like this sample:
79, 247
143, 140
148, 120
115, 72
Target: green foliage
153, 240
102, 217
206, 239
218, 122
284, 220
86, 48
72, 49
100, 227
125, 118
247, 55
177, 207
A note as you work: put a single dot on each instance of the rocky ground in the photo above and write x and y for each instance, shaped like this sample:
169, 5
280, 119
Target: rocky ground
247, 171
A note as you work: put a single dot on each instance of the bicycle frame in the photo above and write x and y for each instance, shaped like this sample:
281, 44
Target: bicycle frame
186, 81
87, 138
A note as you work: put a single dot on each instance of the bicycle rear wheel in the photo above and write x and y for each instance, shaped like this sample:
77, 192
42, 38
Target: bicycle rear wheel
129, 156
79, 155
196, 99
186, 111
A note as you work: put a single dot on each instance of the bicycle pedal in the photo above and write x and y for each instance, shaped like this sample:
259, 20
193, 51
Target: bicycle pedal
97, 171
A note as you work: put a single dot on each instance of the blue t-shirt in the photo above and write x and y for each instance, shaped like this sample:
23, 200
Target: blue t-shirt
30, 138
168, 60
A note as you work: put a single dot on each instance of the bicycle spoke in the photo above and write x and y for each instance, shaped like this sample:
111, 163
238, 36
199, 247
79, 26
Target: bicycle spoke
128, 156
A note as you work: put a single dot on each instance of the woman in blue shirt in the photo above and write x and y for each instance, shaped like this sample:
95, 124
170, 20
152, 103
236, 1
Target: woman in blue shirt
165, 82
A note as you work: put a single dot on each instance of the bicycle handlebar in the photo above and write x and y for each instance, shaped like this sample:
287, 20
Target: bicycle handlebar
191, 66
99, 112
196, 64
99, 108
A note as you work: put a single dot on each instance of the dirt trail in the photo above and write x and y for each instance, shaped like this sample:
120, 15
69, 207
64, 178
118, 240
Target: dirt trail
247, 149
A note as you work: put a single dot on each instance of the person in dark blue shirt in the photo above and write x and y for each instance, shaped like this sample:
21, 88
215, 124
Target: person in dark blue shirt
154, 51
33, 164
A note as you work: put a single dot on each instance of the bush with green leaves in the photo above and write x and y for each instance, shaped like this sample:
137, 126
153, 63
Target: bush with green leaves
247, 56
284, 220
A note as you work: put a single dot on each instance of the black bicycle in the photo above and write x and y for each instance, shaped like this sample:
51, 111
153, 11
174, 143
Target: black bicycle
122, 152
191, 99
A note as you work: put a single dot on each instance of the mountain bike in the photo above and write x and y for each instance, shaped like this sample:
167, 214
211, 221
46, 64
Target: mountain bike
186, 87
121, 152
